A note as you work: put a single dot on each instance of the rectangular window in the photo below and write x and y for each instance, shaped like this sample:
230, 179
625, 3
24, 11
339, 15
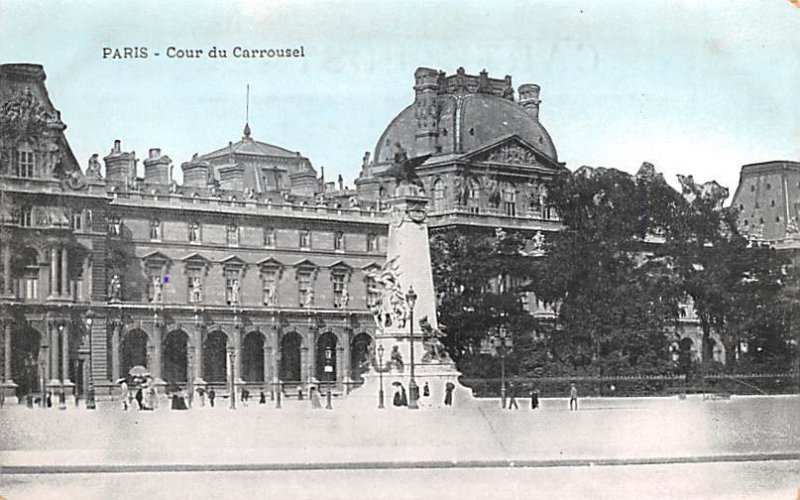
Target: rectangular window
29, 284
77, 221
155, 286
195, 286
305, 289
270, 287
269, 237
155, 230
232, 290
194, 232
25, 163
115, 226
338, 241
372, 243
338, 290
305, 238
373, 296
25, 218
233, 235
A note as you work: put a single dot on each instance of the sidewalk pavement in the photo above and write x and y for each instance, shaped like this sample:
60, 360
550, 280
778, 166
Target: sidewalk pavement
260, 437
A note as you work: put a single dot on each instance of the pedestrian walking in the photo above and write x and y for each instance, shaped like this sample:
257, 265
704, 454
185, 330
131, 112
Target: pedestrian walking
262, 398
211, 396
573, 397
139, 398
124, 394
448, 393
313, 395
512, 393
534, 398
201, 394
426, 390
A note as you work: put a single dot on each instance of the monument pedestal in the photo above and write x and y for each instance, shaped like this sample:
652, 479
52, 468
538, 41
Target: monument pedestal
402, 316
9, 389
436, 375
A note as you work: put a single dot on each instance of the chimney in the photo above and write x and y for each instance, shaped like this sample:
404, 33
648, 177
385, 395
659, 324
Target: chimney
426, 111
156, 167
120, 166
529, 98
231, 177
195, 173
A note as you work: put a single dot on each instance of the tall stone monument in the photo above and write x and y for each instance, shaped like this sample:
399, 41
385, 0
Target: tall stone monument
405, 315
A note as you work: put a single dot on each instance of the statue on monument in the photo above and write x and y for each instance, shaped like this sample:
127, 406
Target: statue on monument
391, 310
403, 168
431, 341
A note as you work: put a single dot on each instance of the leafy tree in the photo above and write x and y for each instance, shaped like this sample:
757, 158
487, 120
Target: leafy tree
617, 297
477, 277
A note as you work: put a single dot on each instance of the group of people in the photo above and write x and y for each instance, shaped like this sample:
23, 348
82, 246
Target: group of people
145, 395
534, 395
401, 399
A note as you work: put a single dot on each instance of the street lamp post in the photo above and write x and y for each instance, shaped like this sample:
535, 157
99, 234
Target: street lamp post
502, 349
90, 402
413, 390
30, 368
43, 376
232, 360
328, 376
380, 376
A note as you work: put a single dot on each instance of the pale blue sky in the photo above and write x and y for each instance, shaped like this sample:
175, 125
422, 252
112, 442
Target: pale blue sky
697, 87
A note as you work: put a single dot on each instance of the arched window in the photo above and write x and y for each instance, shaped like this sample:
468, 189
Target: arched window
439, 195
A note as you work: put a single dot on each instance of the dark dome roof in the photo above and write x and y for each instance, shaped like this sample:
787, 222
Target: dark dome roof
476, 121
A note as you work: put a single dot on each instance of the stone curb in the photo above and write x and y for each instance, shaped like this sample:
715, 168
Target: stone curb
390, 465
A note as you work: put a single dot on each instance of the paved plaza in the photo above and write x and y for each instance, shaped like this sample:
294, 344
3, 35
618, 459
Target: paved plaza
755, 441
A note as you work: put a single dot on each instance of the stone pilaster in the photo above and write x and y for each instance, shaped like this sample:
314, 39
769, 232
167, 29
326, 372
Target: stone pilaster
65, 292
65, 356
115, 348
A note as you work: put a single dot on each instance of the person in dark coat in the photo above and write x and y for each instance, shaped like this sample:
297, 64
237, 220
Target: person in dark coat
211, 396
534, 398
139, 397
448, 393
262, 398
512, 394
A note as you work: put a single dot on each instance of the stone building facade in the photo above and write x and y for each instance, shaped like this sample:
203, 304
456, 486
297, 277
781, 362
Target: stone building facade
254, 269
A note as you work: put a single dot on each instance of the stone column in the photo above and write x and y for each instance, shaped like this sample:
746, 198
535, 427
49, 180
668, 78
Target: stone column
346, 368
115, 347
65, 355
157, 348
198, 353
304, 365
52, 369
7, 269
53, 272
65, 292
276, 357
7, 353
267, 360
339, 364
237, 350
